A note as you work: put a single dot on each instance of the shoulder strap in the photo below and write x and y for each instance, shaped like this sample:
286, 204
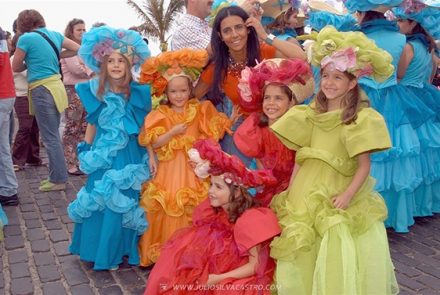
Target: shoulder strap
53, 47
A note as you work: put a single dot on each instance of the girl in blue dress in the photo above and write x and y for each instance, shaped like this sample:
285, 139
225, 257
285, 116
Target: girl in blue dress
106, 212
398, 170
415, 72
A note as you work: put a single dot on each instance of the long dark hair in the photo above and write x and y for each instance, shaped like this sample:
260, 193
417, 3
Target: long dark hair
264, 120
221, 51
351, 103
104, 77
372, 15
418, 29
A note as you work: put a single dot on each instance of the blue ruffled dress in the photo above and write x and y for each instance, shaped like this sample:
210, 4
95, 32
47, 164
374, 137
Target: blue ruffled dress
106, 212
416, 80
3, 221
398, 170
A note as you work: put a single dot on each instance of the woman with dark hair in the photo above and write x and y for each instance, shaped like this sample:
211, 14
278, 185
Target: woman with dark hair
415, 72
398, 170
74, 71
235, 43
47, 94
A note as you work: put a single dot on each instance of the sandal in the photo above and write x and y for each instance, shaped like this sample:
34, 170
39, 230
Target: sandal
18, 167
76, 172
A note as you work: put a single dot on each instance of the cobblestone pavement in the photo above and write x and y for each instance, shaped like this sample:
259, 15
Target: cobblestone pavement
35, 258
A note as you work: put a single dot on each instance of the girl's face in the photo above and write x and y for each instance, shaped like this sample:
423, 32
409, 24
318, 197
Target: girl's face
178, 93
116, 66
292, 20
219, 193
335, 84
275, 102
406, 26
234, 33
78, 31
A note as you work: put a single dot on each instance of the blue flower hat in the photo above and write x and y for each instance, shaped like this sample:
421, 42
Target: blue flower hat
102, 41
428, 17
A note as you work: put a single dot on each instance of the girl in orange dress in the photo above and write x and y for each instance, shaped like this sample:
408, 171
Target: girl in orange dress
170, 130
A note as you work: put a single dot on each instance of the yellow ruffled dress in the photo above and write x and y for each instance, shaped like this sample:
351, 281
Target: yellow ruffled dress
323, 250
170, 197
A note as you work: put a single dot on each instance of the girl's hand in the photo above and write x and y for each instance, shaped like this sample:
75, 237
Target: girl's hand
213, 279
342, 201
178, 129
152, 164
256, 24
236, 114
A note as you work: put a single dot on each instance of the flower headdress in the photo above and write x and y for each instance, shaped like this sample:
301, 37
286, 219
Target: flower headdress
103, 41
160, 69
374, 5
428, 17
211, 160
349, 51
294, 73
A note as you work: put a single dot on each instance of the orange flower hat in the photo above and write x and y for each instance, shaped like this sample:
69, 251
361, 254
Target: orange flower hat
158, 70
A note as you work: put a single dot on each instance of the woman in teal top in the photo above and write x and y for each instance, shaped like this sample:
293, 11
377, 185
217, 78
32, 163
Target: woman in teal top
398, 170
415, 72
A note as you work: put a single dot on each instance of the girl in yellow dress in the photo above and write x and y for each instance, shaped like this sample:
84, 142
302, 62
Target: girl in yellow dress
333, 239
170, 130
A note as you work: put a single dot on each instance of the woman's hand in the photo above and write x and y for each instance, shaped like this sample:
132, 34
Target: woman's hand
342, 201
256, 24
236, 114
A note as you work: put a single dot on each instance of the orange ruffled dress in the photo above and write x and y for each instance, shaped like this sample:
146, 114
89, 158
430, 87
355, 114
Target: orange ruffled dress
213, 245
170, 197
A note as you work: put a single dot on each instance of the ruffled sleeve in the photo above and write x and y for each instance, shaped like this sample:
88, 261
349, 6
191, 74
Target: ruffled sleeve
254, 227
154, 126
294, 129
92, 105
248, 137
367, 134
213, 123
137, 107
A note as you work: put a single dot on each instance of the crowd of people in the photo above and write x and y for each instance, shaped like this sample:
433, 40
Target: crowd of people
252, 158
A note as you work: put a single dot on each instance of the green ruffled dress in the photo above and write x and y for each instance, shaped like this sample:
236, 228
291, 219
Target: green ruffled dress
323, 250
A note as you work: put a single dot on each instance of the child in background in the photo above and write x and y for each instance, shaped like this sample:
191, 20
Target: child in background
170, 197
333, 239
269, 90
226, 250
107, 216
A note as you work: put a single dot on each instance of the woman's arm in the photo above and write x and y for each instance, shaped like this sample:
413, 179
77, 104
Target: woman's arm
342, 201
285, 49
201, 89
404, 61
166, 137
71, 48
18, 61
243, 271
89, 137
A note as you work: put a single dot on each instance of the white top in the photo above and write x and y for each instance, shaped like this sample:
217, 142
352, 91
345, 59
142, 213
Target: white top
20, 82
191, 32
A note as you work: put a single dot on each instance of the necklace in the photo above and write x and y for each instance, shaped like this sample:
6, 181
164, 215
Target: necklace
235, 68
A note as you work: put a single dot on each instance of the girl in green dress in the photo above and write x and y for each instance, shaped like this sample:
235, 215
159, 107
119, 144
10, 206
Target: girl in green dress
333, 239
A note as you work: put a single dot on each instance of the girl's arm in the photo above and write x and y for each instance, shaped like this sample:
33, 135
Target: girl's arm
404, 61
294, 172
152, 163
285, 49
342, 200
166, 137
243, 271
90, 133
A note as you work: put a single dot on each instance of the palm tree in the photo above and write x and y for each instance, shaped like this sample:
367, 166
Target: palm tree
156, 21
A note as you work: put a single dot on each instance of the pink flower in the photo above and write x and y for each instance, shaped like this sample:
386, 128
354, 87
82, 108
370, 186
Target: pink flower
243, 85
342, 60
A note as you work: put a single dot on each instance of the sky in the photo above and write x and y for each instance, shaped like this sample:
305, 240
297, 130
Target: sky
57, 13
